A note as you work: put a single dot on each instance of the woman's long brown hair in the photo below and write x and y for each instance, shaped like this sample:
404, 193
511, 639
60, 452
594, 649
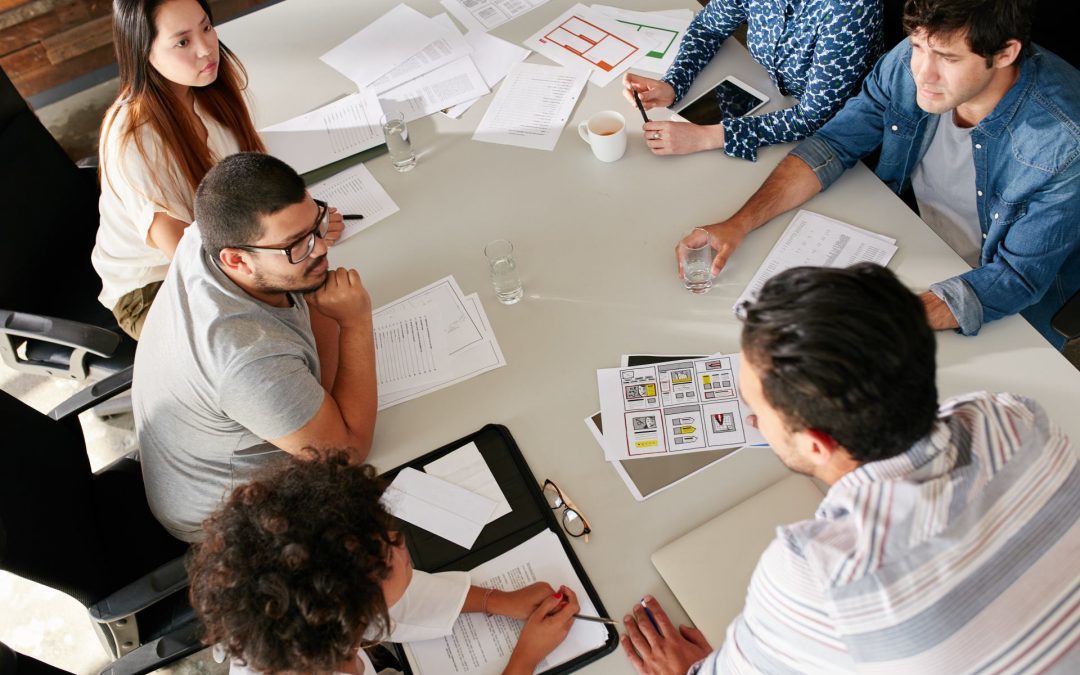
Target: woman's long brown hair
150, 100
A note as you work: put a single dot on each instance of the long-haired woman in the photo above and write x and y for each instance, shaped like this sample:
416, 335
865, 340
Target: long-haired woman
180, 110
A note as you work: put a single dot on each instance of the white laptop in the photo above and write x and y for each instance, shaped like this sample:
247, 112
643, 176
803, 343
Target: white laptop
709, 568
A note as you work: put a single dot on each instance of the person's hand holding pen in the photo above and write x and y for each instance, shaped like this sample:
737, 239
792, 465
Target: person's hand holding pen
653, 93
336, 224
544, 630
655, 647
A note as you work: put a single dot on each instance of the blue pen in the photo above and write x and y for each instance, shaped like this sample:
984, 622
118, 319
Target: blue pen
652, 619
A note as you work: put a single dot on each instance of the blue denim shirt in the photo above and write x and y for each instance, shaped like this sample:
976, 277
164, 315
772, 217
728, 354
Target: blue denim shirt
814, 50
1027, 181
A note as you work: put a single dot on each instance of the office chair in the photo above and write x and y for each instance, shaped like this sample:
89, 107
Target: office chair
1067, 319
14, 663
92, 536
50, 320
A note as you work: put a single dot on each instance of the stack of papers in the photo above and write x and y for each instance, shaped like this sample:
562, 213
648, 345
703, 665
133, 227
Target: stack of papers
483, 15
815, 240
454, 497
674, 408
430, 339
532, 106
481, 644
335, 131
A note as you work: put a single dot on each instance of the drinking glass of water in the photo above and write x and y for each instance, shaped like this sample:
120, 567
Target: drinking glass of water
504, 275
402, 155
696, 253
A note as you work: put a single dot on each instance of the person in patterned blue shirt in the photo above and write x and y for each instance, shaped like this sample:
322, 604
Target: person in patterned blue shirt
814, 50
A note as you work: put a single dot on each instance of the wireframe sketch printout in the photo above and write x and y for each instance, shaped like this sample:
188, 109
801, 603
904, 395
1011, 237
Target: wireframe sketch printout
355, 191
674, 407
335, 131
481, 645
816, 240
583, 37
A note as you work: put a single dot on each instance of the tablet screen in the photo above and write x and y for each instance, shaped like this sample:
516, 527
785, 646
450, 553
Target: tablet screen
724, 100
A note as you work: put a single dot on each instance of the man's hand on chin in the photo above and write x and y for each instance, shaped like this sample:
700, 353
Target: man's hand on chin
938, 314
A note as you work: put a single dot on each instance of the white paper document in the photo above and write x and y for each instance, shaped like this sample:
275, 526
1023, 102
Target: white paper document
493, 58
815, 240
582, 37
449, 47
335, 131
481, 644
437, 506
385, 43
665, 31
466, 468
674, 407
355, 191
443, 87
532, 106
484, 15
470, 345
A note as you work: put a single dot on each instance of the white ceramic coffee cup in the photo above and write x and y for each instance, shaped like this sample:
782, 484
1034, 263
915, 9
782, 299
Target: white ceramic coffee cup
605, 132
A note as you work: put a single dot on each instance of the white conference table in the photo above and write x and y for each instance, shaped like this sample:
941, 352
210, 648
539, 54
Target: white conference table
594, 244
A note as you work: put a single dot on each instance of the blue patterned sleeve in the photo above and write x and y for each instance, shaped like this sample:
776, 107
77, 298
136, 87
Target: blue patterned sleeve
703, 38
848, 41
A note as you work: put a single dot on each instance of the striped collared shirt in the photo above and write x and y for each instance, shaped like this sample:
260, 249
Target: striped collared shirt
961, 555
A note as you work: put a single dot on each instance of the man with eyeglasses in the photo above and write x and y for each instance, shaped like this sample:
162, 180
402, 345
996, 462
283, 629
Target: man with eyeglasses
948, 539
254, 347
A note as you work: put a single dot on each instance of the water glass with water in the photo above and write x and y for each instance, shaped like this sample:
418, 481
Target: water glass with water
503, 268
697, 253
402, 155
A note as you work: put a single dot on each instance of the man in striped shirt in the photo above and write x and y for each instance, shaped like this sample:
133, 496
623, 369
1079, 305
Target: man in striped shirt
949, 539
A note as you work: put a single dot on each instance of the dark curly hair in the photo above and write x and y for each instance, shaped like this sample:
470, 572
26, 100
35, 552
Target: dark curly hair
847, 352
288, 576
989, 24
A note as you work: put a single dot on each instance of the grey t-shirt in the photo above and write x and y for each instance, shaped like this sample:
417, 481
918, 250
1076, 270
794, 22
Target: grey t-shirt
944, 185
216, 373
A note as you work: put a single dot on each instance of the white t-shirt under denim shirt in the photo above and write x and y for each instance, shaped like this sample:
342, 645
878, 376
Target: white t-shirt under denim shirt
123, 256
944, 185
217, 372
428, 610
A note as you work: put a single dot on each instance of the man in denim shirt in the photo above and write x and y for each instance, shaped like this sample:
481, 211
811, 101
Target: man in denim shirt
1009, 196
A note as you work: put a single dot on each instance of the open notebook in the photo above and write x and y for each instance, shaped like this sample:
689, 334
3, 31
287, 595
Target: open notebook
709, 568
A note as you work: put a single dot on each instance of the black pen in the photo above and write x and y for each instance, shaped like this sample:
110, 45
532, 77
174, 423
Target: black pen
637, 99
352, 216
598, 619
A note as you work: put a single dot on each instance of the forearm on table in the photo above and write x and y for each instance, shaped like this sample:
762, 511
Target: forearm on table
355, 389
327, 338
790, 184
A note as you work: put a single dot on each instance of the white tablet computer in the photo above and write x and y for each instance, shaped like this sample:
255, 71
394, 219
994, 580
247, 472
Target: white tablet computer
731, 98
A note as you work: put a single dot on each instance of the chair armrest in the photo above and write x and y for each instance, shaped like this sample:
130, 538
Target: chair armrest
1067, 319
159, 653
90, 396
141, 593
74, 334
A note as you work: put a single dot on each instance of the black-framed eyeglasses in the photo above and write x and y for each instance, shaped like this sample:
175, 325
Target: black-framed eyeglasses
300, 250
572, 521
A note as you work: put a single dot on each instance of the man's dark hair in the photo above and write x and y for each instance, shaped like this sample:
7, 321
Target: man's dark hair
989, 23
847, 352
289, 574
236, 193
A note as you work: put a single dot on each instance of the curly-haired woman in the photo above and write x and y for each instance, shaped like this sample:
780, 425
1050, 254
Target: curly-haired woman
300, 569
